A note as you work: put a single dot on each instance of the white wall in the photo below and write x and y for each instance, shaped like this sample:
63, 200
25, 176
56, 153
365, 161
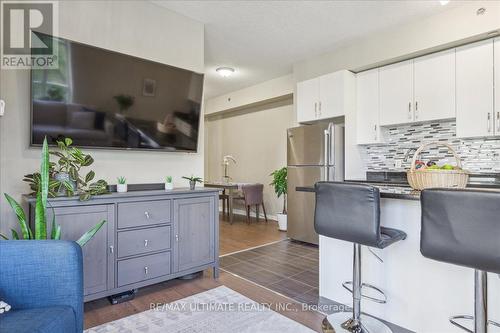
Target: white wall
138, 28
256, 137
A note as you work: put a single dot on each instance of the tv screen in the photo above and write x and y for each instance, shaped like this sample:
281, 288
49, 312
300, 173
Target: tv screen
105, 99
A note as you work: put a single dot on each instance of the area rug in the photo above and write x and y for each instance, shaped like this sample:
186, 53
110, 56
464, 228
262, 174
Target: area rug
217, 310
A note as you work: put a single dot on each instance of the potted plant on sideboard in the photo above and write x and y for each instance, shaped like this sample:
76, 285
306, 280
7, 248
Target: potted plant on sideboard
192, 181
121, 186
169, 185
280, 188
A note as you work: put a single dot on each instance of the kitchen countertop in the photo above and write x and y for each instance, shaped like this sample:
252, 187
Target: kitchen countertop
386, 191
401, 190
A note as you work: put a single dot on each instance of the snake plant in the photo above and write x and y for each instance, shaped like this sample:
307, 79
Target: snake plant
41, 210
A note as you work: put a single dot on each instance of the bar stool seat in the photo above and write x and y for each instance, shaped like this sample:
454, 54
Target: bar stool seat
351, 212
462, 227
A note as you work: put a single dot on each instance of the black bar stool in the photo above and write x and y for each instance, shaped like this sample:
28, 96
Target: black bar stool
351, 212
462, 227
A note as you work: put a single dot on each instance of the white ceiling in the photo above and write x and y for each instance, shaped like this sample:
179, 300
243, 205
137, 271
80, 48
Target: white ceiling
263, 39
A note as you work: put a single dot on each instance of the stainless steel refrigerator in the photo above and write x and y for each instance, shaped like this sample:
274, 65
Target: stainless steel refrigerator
314, 153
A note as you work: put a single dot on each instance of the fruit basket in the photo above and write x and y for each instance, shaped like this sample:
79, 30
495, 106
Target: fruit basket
420, 179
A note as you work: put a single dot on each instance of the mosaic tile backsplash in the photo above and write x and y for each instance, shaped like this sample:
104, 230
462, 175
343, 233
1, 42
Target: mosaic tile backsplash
480, 155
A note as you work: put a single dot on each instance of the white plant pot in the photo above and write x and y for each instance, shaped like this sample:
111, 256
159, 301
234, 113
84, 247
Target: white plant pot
169, 186
121, 188
282, 221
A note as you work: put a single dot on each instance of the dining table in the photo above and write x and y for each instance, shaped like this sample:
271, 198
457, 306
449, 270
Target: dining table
229, 188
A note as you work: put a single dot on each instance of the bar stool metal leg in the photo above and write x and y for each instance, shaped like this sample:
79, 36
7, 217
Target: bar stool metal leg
480, 317
357, 323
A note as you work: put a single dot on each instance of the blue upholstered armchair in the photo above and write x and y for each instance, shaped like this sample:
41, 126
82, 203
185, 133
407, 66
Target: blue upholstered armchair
43, 282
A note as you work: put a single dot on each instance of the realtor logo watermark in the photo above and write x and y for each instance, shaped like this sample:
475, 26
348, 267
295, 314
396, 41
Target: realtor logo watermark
26, 30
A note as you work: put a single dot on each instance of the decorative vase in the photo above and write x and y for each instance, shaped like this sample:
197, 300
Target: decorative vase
282, 222
121, 188
192, 185
64, 177
169, 186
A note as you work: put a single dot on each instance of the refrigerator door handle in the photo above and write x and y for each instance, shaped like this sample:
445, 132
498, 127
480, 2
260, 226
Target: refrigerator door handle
326, 149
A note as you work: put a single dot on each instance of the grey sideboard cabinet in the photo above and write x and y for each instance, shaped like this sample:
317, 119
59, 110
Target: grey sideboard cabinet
149, 236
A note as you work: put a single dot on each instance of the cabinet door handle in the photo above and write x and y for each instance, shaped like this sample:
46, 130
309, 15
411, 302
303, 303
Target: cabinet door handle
146, 270
316, 109
498, 122
409, 110
375, 129
145, 243
489, 122
176, 238
416, 110
111, 249
147, 215
319, 108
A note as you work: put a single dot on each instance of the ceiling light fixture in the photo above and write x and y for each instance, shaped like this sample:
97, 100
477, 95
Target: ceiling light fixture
225, 71
444, 2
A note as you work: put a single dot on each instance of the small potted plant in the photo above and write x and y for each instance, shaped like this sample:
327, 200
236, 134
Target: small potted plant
169, 185
121, 187
280, 188
192, 181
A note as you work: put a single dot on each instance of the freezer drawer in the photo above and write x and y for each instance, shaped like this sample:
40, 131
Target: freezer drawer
301, 204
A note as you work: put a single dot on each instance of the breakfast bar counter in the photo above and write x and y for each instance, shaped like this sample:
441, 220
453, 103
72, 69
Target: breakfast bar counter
421, 293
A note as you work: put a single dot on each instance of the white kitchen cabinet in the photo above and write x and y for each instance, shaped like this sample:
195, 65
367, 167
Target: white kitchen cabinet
475, 90
497, 85
367, 107
396, 93
307, 100
325, 97
434, 86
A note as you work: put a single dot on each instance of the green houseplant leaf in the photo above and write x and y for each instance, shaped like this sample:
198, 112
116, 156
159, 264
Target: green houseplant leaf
3, 237
89, 234
280, 184
21, 216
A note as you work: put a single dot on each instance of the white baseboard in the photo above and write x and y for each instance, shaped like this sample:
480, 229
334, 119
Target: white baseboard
252, 213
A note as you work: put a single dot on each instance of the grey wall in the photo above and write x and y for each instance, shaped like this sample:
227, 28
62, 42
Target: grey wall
138, 28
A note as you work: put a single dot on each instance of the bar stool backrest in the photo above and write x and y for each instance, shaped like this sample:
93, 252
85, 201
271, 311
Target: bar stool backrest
461, 227
348, 211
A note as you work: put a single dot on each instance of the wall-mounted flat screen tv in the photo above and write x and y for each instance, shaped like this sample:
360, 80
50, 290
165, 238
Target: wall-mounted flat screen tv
104, 99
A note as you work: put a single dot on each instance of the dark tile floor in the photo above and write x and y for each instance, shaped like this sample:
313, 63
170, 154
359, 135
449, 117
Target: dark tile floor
287, 267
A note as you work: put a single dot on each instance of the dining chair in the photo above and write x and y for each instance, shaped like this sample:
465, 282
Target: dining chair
225, 203
253, 195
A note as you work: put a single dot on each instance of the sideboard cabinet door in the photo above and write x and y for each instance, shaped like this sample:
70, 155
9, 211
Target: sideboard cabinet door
194, 232
98, 253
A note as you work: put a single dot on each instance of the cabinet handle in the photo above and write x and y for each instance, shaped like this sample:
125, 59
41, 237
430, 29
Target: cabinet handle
498, 122
375, 128
319, 108
409, 110
145, 243
146, 270
111, 249
176, 238
316, 109
416, 110
147, 215
489, 122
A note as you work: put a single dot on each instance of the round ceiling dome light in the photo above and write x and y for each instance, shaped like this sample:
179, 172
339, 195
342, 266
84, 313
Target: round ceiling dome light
225, 71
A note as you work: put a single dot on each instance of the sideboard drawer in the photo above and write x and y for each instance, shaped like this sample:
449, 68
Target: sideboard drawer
143, 268
138, 214
133, 242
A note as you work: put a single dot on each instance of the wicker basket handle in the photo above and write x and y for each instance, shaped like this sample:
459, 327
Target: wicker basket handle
434, 143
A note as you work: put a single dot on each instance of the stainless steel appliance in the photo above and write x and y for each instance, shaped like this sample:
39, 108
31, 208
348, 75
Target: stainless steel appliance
314, 153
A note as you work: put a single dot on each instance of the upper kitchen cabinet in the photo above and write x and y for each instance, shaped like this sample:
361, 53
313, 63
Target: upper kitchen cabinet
307, 100
367, 107
434, 80
475, 90
497, 85
417, 90
396, 93
327, 96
